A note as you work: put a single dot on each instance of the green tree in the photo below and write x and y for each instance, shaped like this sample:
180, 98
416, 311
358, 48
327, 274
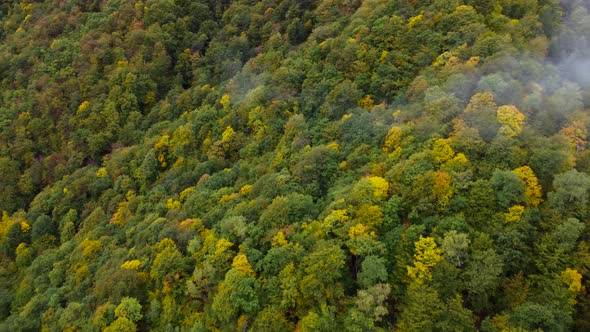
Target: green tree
454, 247
420, 310
9, 198
482, 276
508, 187
129, 308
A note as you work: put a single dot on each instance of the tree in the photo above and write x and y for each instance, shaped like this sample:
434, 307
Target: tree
508, 187
426, 256
570, 192
316, 169
393, 141
480, 113
9, 198
514, 214
168, 262
573, 279
442, 188
271, 319
454, 247
532, 189
567, 233
371, 301
341, 98
420, 310
511, 119
372, 189
373, 270
576, 134
322, 270
236, 294
442, 151
455, 317
121, 324
532, 316
129, 308
482, 277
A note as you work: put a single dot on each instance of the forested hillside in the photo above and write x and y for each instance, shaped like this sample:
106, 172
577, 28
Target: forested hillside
296, 165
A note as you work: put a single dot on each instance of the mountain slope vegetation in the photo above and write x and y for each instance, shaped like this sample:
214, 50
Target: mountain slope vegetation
176, 165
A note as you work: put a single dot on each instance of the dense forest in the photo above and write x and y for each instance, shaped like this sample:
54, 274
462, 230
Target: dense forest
295, 165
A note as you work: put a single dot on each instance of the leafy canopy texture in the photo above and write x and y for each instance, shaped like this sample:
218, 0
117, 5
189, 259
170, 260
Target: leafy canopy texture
294, 165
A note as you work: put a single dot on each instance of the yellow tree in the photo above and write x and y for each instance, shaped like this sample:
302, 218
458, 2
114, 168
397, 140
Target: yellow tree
242, 265
426, 256
442, 151
162, 147
511, 119
225, 102
442, 188
380, 186
228, 134
576, 134
481, 102
393, 141
122, 214
573, 279
532, 188
514, 214
457, 164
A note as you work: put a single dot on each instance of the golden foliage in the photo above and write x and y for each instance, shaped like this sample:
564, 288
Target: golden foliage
366, 102
242, 264
442, 151
415, 20
161, 148
359, 230
172, 204
511, 119
514, 214
393, 140
184, 194
5, 225
228, 197
380, 186
90, 247
228, 134
83, 106
221, 246
131, 265
442, 188
483, 101
102, 172
335, 217
24, 226
334, 146
533, 190
225, 102
279, 240
246, 189
122, 214
457, 164
370, 215
576, 134
426, 256
573, 279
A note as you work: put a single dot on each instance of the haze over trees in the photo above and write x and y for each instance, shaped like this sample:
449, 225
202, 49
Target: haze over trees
175, 165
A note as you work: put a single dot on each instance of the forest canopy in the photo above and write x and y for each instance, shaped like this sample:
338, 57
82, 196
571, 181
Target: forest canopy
295, 165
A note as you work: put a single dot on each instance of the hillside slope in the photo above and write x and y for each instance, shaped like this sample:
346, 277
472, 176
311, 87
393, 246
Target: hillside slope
176, 165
